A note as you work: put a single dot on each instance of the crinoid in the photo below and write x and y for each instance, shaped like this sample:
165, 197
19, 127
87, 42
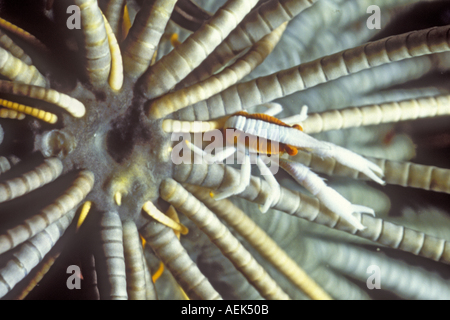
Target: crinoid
89, 104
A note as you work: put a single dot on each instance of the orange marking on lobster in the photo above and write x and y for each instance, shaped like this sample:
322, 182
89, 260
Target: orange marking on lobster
263, 146
266, 118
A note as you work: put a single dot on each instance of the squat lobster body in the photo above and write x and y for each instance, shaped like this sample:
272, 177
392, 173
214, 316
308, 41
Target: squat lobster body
261, 135
260, 122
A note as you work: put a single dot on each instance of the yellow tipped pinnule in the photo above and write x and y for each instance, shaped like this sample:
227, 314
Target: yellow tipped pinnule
83, 214
126, 24
153, 212
118, 198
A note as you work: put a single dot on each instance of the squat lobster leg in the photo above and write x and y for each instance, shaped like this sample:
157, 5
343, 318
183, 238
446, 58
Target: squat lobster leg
244, 181
274, 186
328, 196
218, 157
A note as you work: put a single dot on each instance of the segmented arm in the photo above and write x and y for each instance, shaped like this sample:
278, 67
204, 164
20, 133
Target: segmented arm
311, 209
113, 12
49, 4
112, 255
348, 261
152, 211
116, 75
341, 92
166, 245
177, 100
134, 262
32, 252
35, 112
255, 26
264, 89
5, 165
400, 148
71, 105
90, 276
189, 15
7, 43
328, 196
98, 57
406, 174
17, 70
273, 131
257, 237
149, 285
181, 199
145, 34
32, 180
61, 206
11, 114
21, 33
336, 16
170, 125
378, 113
160, 78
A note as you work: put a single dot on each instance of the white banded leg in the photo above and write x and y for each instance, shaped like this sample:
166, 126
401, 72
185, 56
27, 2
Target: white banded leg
218, 157
328, 196
275, 187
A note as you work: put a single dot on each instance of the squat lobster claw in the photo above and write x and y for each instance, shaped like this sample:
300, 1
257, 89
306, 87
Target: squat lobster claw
351, 160
278, 131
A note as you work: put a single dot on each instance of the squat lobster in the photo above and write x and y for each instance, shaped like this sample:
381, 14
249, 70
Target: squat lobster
272, 136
